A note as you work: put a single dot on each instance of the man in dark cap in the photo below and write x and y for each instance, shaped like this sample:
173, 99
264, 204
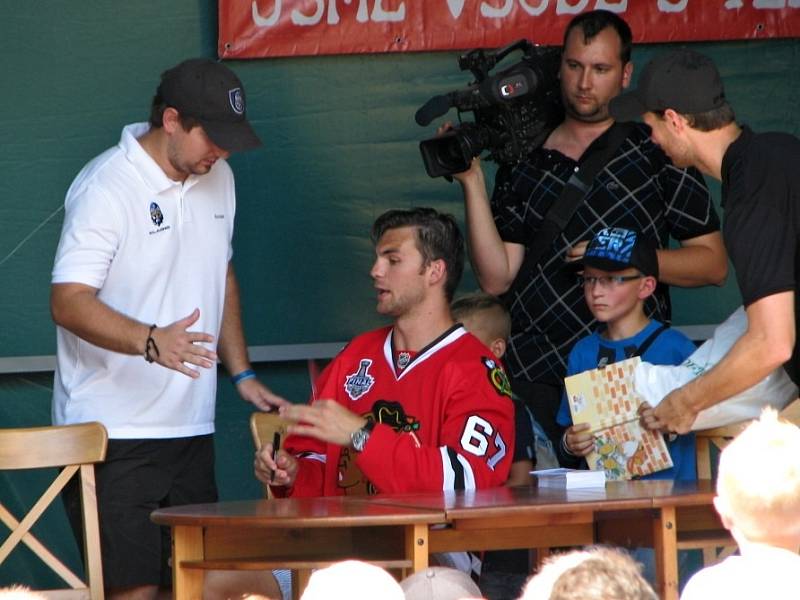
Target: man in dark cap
681, 97
146, 301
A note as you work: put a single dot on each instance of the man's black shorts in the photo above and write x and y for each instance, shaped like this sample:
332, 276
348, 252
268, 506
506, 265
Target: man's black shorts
138, 477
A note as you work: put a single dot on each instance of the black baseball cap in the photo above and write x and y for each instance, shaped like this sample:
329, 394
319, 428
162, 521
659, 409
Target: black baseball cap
616, 249
210, 92
684, 80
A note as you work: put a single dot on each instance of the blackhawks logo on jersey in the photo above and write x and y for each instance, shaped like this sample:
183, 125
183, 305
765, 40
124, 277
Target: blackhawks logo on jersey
497, 376
387, 412
359, 383
394, 415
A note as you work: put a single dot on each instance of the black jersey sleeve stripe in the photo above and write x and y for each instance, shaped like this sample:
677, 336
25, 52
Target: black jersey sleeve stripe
457, 469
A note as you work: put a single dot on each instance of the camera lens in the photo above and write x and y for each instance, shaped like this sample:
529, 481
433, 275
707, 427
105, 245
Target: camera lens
445, 155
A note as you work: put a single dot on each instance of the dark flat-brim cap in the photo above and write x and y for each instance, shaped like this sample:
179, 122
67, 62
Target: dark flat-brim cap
627, 107
683, 80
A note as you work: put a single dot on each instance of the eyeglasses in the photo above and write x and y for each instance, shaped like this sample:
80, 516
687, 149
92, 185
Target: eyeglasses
606, 281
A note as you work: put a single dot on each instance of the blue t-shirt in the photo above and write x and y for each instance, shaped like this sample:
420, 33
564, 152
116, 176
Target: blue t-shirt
671, 347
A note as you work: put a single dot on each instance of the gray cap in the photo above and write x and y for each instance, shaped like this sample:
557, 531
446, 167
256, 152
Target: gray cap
440, 583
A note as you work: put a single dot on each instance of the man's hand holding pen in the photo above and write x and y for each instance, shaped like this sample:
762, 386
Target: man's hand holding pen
275, 468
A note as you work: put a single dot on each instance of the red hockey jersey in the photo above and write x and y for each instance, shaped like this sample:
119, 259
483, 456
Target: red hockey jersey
443, 422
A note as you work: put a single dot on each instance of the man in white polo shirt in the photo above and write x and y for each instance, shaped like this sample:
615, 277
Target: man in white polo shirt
146, 300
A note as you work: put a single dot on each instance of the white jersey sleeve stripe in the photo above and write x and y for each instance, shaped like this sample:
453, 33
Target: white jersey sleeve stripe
449, 479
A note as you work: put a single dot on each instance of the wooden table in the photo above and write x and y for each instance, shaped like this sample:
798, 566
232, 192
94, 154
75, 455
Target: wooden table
664, 515
298, 534
400, 530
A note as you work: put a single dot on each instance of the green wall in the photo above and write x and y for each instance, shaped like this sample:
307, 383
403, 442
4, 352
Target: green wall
340, 148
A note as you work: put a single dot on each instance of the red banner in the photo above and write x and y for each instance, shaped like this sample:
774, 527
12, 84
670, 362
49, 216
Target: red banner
260, 28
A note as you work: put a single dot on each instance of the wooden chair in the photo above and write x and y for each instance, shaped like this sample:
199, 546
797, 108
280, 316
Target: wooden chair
264, 427
268, 428
716, 544
75, 448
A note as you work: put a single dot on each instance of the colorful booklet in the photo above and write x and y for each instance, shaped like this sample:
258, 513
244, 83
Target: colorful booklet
605, 398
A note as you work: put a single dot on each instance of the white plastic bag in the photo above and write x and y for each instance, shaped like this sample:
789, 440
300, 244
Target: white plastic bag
653, 382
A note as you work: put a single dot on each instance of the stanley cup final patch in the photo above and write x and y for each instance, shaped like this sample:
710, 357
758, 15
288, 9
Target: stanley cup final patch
359, 383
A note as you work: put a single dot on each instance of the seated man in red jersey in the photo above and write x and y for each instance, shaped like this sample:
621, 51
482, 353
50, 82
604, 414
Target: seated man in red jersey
421, 405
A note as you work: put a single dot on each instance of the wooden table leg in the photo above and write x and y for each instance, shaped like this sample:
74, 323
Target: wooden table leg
187, 544
539, 555
417, 547
665, 544
300, 579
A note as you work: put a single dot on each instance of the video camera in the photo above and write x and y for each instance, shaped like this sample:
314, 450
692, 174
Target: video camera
515, 109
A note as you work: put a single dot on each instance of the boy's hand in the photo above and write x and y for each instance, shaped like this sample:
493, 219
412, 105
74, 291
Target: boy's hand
579, 440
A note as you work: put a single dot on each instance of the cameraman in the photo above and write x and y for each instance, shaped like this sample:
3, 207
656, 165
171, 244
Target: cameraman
638, 188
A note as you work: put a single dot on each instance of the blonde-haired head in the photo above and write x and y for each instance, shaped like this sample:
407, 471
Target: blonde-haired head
352, 580
595, 573
484, 316
19, 592
758, 483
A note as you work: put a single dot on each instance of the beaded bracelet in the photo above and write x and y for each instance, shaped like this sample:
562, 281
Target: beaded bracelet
150, 345
240, 377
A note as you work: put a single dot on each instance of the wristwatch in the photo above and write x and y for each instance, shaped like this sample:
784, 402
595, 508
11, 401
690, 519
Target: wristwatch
358, 439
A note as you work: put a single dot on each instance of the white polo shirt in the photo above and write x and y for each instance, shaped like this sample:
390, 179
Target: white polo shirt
155, 249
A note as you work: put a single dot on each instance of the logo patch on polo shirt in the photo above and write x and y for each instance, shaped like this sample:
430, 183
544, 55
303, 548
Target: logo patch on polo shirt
156, 215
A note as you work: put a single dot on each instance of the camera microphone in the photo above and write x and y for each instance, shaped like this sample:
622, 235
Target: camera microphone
435, 107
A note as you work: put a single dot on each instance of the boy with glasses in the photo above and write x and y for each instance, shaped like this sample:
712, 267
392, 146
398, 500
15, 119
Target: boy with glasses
620, 270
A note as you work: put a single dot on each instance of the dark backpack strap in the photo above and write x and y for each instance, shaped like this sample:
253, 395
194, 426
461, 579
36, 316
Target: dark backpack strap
649, 341
580, 182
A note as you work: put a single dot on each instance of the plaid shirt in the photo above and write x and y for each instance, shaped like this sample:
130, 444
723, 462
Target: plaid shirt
638, 189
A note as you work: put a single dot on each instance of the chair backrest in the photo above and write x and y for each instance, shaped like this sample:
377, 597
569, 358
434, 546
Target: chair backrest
74, 449
268, 428
711, 441
791, 412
